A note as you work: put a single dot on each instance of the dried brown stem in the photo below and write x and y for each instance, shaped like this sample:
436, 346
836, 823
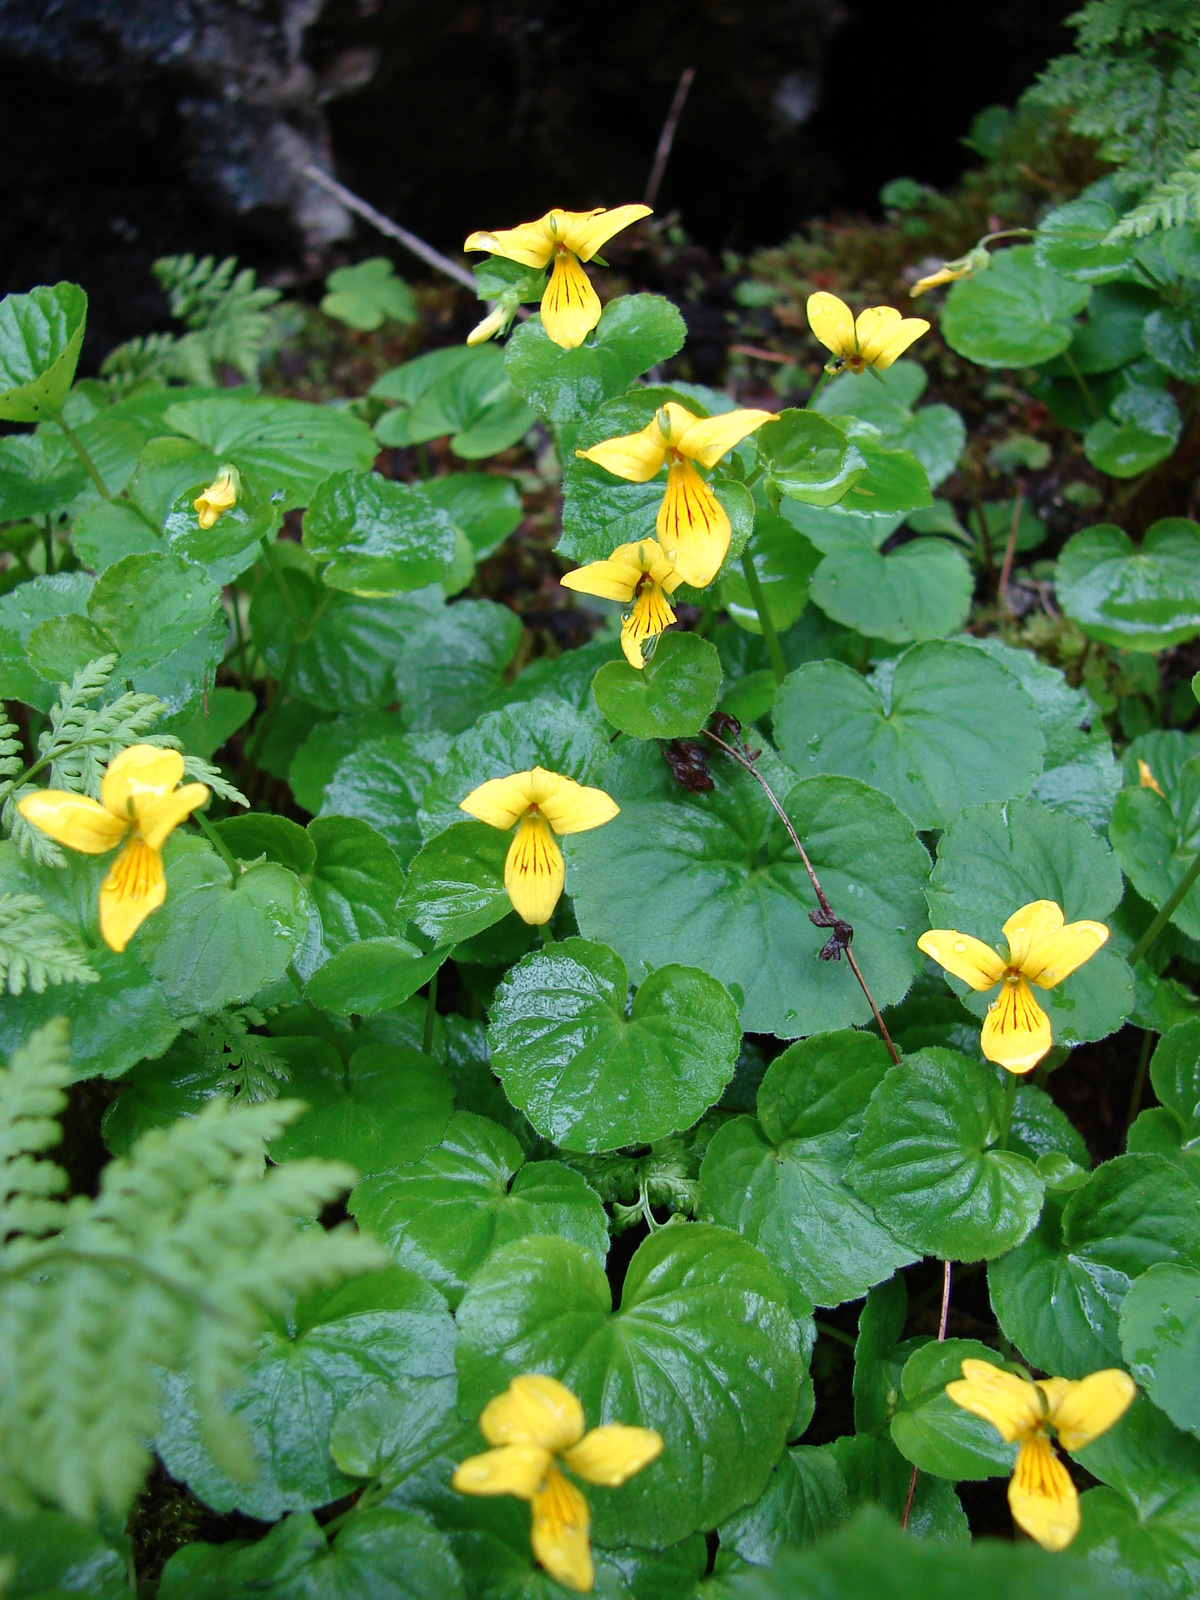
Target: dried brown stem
667, 137
942, 1322
829, 919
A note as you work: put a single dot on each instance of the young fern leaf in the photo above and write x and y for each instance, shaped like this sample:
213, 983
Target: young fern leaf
197, 770
255, 1069
37, 948
82, 738
1173, 203
31, 1099
227, 314
178, 1266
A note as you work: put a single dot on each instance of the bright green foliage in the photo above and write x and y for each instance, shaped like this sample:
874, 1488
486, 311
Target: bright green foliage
175, 1264
725, 1049
366, 295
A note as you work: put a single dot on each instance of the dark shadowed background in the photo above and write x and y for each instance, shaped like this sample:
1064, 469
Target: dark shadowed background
133, 129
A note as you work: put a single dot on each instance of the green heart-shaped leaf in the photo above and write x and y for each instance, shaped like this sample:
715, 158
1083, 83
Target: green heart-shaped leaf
1144, 597
947, 728
928, 1160
671, 697
704, 1349
378, 537
41, 335
444, 1215
590, 1078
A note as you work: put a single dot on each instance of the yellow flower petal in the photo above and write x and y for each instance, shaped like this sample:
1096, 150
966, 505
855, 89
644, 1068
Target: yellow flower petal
570, 306
969, 959
933, 281
534, 871
636, 457
650, 616
516, 1469
532, 243
692, 527
1091, 1406
73, 820
614, 579
165, 815
1016, 1031
832, 321
887, 348
1056, 956
709, 438
587, 231
500, 802
611, 1454
871, 328
559, 1533
220, 496
1146, 778
135, 886
139, 776
1028, 924
1009, 1403
495, 322
571, 807
618, 577
534, 1409
1042, 1497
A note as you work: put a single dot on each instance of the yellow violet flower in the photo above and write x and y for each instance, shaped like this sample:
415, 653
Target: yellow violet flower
539, 804
570, 306
220, 496
140, 805
496, 321
878, 337
1041, 1496
692, 527
1041, 950
977, 260
638, 573
533, 1425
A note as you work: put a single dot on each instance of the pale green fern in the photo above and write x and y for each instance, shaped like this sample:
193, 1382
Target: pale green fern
37, 948
192, 1246
1171, 204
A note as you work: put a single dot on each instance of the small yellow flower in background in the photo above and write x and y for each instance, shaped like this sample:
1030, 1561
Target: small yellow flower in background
534, 1424
879, 336
1146, 778
570, 306
977, 260
1041, 950
539, 804
496, 321
139, 804
692, 527
220, 496
640, 573
1041, 1496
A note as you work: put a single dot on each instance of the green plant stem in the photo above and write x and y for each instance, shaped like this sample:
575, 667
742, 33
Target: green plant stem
1174, 900
1139, 1079
546, 933
830, 1332
48, 541
239, 634
430, 1015
817, 387
89, 465
218, 844
1006, 1115
267, 721
1089, 398
778, 665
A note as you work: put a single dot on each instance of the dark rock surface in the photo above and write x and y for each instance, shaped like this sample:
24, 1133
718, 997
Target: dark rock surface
133, 129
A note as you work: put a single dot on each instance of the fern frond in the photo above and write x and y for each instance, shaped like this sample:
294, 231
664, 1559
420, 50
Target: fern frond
31, 1098
37, 948
1173, 203
228, 315
255, 1069
177, 1266
12, 752
197, 770
83, 738
31, 842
